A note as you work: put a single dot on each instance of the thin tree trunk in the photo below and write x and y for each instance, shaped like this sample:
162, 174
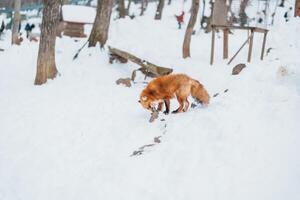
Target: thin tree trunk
121, 8
242, 14
101, 25
46, 67
89, 2
142, 7
297, 8
128, 6
189, 29
281, 3
169, 2
159, 9
16, 22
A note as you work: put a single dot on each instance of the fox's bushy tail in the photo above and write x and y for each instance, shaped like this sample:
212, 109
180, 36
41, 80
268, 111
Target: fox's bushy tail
199, 92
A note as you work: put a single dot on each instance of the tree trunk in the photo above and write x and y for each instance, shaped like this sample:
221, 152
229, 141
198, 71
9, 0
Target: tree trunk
169, 2
242, 14
101, 25
297, 8
144, 5
189, 29
281, 3
89, 2
128, 7
220, 13
121, 8
159, 9
46, 67
64, 2
16, 22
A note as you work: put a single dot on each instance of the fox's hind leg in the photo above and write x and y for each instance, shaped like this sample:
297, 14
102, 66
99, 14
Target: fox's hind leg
186, 105
181, 102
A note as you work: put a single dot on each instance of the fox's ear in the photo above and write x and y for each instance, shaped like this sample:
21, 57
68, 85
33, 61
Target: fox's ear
144, 98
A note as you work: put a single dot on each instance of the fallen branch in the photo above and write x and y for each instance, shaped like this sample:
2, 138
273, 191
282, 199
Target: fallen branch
147, 68
79, 50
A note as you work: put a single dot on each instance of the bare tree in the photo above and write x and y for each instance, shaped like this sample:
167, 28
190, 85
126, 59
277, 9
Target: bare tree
189, 29
16, 22
101, 25
46, 67
89, 3
142, 7
122, 9
297, 8
159, 9
242, 13
128, 7
281, 3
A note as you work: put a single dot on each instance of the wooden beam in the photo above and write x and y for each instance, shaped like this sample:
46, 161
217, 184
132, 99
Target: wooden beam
250, 46
146, 67
263, 46
256, 29
239, 50
212, 50
225, 43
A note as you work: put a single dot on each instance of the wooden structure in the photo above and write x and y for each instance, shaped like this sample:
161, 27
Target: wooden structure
249, 40
220, 22
72, 29
72, 23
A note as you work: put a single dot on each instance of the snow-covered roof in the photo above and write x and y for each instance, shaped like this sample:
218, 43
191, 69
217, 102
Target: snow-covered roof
79, 14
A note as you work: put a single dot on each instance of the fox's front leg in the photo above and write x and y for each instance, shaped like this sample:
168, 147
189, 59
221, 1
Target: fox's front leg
167, 104
160, 106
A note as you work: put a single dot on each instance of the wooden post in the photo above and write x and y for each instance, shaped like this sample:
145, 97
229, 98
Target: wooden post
212, 45
297, 8
225, 43
250, 45
263, 46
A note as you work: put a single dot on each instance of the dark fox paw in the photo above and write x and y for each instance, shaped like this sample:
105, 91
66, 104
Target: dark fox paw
166, 112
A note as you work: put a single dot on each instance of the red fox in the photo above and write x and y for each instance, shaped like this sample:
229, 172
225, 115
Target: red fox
164, 88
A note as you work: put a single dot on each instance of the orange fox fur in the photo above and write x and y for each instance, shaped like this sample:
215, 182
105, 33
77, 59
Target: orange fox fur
164, 88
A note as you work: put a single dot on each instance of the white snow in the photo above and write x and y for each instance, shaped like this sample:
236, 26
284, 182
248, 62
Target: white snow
79, 14
71, 139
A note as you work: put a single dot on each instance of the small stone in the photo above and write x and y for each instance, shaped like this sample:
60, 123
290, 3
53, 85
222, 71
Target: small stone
124, 81
157, 139
238, 68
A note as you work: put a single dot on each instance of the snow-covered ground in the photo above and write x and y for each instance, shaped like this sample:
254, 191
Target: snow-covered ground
71, 139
